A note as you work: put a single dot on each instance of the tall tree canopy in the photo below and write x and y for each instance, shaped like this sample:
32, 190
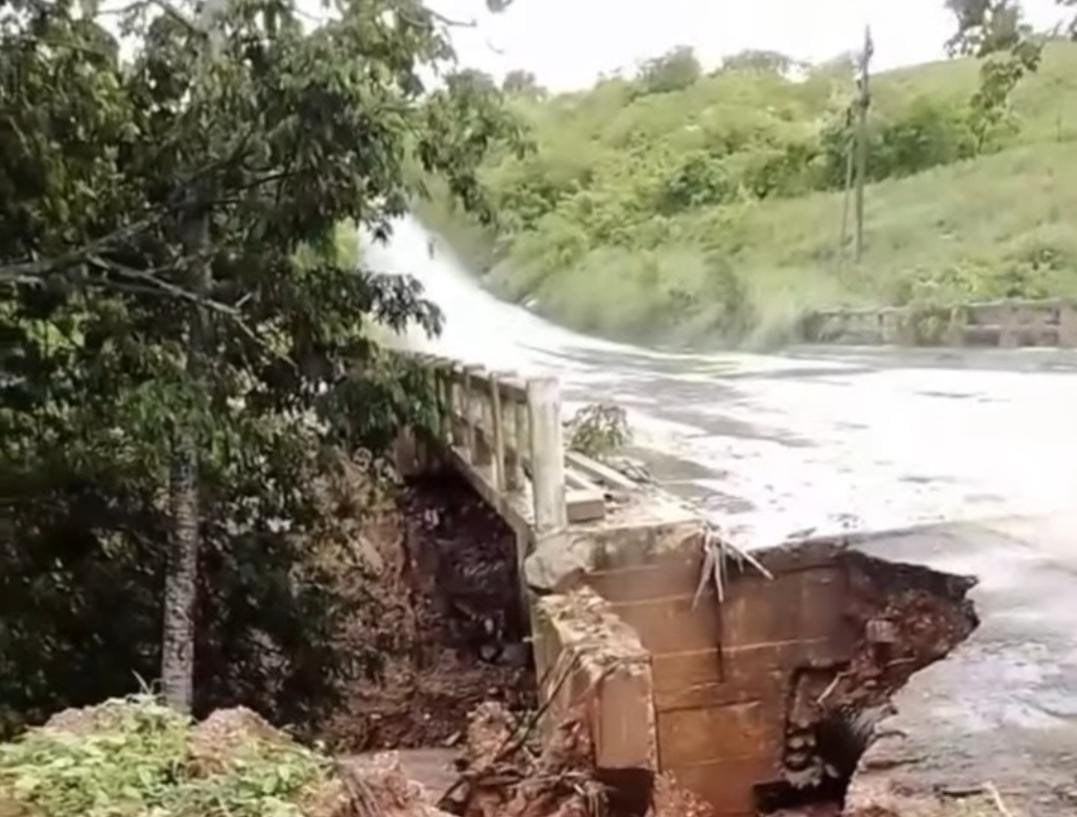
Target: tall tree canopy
169, 281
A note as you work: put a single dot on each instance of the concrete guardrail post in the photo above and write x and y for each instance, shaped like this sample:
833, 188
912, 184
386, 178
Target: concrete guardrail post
547, 456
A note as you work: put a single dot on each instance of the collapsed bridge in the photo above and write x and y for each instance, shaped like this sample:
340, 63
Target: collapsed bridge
748, 690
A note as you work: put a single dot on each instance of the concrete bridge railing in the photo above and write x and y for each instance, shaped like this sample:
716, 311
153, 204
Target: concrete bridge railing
505, 434
1004, 324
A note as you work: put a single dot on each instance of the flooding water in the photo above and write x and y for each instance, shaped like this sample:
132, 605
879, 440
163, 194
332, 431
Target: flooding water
808, 440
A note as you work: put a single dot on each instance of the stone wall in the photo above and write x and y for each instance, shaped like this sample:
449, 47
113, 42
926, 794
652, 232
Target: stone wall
723, 673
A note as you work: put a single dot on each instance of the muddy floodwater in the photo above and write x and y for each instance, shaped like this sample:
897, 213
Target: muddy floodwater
805, 441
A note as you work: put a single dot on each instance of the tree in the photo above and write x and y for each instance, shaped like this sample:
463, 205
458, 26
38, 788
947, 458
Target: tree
159, 330
768, 62
523, 83
673, 71
993, 30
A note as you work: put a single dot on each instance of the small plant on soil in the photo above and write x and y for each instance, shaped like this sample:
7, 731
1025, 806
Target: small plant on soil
136, 757
599, 429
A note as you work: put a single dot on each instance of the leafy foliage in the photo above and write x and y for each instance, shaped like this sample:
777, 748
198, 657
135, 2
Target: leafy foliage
772, 62
523, 83
673, 71
714, 211
599, 429
270, 140
138, 757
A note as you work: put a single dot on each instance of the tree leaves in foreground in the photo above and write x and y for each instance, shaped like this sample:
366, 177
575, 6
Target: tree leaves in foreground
268, 140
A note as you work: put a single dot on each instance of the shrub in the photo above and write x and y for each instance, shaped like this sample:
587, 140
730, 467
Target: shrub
599, 429
674, 71
136, 757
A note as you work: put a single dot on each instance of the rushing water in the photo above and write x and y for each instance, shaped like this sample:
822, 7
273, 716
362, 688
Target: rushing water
806, 439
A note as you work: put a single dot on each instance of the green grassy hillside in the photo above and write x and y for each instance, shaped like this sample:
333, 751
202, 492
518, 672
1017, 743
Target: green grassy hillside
715, 211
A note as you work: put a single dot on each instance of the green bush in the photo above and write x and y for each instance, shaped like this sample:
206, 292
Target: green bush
701, 180
136, 757
674, 71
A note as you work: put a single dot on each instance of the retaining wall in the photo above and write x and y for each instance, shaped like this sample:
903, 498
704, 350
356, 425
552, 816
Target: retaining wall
730, 697
1005, 324
721, 676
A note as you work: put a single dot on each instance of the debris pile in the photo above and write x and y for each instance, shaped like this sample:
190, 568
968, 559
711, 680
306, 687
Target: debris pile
456, 637
906, 618
506, 774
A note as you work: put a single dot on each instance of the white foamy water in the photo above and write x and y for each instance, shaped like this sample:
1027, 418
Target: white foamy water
823, 439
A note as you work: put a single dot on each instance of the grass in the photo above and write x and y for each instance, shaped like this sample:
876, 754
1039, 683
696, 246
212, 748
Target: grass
1003, 224
136, 757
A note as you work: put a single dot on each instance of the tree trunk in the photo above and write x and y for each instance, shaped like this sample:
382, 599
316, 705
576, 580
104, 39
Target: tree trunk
181, 578
181, 573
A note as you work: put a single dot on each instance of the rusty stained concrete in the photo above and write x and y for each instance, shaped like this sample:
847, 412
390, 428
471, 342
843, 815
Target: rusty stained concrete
710, 693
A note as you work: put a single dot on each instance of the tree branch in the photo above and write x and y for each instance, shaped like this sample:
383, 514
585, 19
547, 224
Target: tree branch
165, 6
435, 15
30, 272
149, 283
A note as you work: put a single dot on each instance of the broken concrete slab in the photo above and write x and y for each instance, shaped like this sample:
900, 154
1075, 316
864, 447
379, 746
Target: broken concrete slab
647, 528
588, 659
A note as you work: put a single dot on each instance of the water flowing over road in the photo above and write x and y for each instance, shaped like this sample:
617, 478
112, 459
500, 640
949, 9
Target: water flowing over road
974, 453
820, 439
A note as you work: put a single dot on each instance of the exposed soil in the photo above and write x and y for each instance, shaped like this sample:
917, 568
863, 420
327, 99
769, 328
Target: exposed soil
899, 618
507, 774
453, 635
457, 672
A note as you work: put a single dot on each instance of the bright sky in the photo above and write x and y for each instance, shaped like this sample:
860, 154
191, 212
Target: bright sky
568, 43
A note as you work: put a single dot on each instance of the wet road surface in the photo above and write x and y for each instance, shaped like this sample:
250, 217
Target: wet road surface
811, 440
974, 454
1002, 708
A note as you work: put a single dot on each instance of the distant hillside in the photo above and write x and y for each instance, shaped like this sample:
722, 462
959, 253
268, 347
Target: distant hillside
714, 211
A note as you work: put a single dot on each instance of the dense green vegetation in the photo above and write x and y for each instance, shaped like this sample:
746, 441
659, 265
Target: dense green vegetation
137, 757
187, 377
675, 205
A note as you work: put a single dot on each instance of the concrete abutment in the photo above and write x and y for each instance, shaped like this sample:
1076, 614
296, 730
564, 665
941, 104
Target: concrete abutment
738, 699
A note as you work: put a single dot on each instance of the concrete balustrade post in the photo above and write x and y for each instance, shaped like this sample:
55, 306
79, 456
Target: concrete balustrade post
498, 432
471, 409
1067, 325
522, 440
547, 455
1009, 332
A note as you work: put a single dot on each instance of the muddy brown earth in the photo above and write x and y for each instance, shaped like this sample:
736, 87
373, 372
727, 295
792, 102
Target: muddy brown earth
452, 635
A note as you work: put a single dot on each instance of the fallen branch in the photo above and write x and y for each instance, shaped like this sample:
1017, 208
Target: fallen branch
830, 688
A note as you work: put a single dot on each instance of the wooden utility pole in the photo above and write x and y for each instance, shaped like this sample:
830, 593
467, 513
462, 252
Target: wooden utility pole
847, 189
863, 103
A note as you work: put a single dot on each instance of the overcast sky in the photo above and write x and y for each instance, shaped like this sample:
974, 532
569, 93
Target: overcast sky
568, 43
